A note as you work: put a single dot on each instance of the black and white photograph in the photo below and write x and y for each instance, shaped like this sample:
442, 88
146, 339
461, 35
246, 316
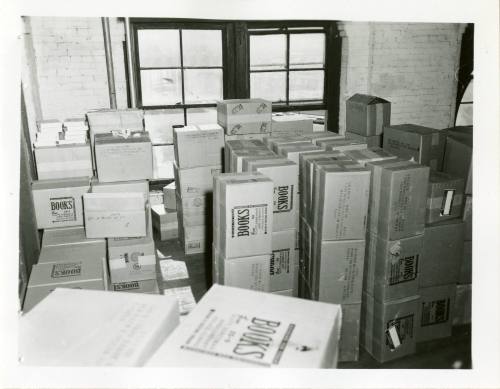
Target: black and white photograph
225, 187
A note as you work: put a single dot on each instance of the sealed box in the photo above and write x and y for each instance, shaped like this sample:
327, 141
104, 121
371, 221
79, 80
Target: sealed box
369, 155
167, 231
435, 312
388, 329
274, 143
58, 203
392, 267
61, 330
163, 162
245, 137
398, 199
123, 156
367, 115
246, 217
462, 311
371, 141
195, 181
63, 161
340, 202
115, 215
443, 251
444, 198
244, 116
143, 286
49, 125
324, 135
45, 277
218, 332
169, 196
293, 150
291, 124
283, 261
131, 259
85, 250
238, 156
458, 157
245, 272
341, 145
155, 197
115, 119
195, 210
338, 271
421, 144
139, 186
161, 215
465, 272
194, 239
69, 237
199, 145
349, 333
467, 218
284, 175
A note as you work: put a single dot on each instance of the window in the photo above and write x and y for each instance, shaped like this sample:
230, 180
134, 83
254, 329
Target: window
464, 114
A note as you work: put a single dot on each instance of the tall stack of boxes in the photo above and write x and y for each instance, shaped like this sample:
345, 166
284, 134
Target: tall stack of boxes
164, 215
198, 157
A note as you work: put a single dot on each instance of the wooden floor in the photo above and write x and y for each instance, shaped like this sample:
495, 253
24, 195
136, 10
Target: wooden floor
448, 353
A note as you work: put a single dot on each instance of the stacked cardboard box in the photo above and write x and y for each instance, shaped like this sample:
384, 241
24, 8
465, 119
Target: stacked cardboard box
242, 226
49, 131
290, 124
237, 150
244, 116
198, 157
341, 144
367, 116
164, 215
396, 220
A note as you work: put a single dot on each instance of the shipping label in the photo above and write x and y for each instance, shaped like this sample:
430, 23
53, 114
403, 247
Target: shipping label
60, 270
126, 286
283, 198
249, 220
403, 269
397, 330
351, 273
447, 203
403, 200
280, 262
63, 209
259, 341
435, 312
342, 211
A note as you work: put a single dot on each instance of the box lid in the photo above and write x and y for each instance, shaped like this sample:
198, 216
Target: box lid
366, 99
61, 183
122, 137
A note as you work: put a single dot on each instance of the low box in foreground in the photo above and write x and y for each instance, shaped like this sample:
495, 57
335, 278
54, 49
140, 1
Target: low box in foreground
232, 327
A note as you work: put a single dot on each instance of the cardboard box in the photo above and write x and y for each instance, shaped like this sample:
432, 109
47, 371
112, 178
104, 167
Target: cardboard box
350, 332
293, 152
435, 312
245, 272
200, 145
388, 329
162, 216
123, 156
275, 143
236, 151
143, 286
131, 326
163, 162
369, 155
63, 161
283, 261
132, 259
58, 203
195, 181
324, 135
458, 157
115, 119
444, 198
156, 197
140, 186
168, 231
467, 218
338, 271
245, 137
367, 115
286, 322
195, 210
115, 215
371, 141
238, 156
169, 196
341, 145
193, 239
69, 237
246, 217
340, 202
85, 250
49, 125
45, 277
244, 116
443, 252
159, 122
422, 144
462, 311
392, 267
398, 199
291, 124
284, 175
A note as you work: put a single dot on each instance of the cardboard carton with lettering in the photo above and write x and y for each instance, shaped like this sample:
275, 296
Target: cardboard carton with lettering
196, 181
63, 161
250, 272
140, 186
293, 151
367, 115
275, 143
244, 116
342, 145
291, 124
435, 313
85, 250
199, 145
69, 237
283, 260
58, 203
143, 286
369, 155
444, 198
260, 330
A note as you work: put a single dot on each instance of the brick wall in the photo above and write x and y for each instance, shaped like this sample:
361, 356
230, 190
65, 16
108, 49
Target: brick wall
70, 64
412, 65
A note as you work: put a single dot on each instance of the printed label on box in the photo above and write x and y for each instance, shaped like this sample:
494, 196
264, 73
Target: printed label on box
447, 202
283, 198
241, 337
351, 272
126, 286
435, 312
403, 269
63, 209
280, 262
60, 270
403, 200
133, 259
404, 329
249, 220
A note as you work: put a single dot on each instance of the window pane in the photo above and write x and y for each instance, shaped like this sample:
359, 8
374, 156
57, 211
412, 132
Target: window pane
159, 48
202, 47
464, 115
159, 122
269, 86
306, 85
307, 50
202, 85
201, 115
468, 96
161, 87
267, 52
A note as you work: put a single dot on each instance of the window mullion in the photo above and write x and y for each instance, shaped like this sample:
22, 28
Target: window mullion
182, 76
287, 67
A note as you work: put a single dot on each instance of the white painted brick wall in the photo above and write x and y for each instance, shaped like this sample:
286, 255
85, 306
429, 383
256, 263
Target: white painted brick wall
71, 65
410, 64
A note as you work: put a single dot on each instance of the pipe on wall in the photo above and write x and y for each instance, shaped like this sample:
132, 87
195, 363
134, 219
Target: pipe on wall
109, 63
131, 84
